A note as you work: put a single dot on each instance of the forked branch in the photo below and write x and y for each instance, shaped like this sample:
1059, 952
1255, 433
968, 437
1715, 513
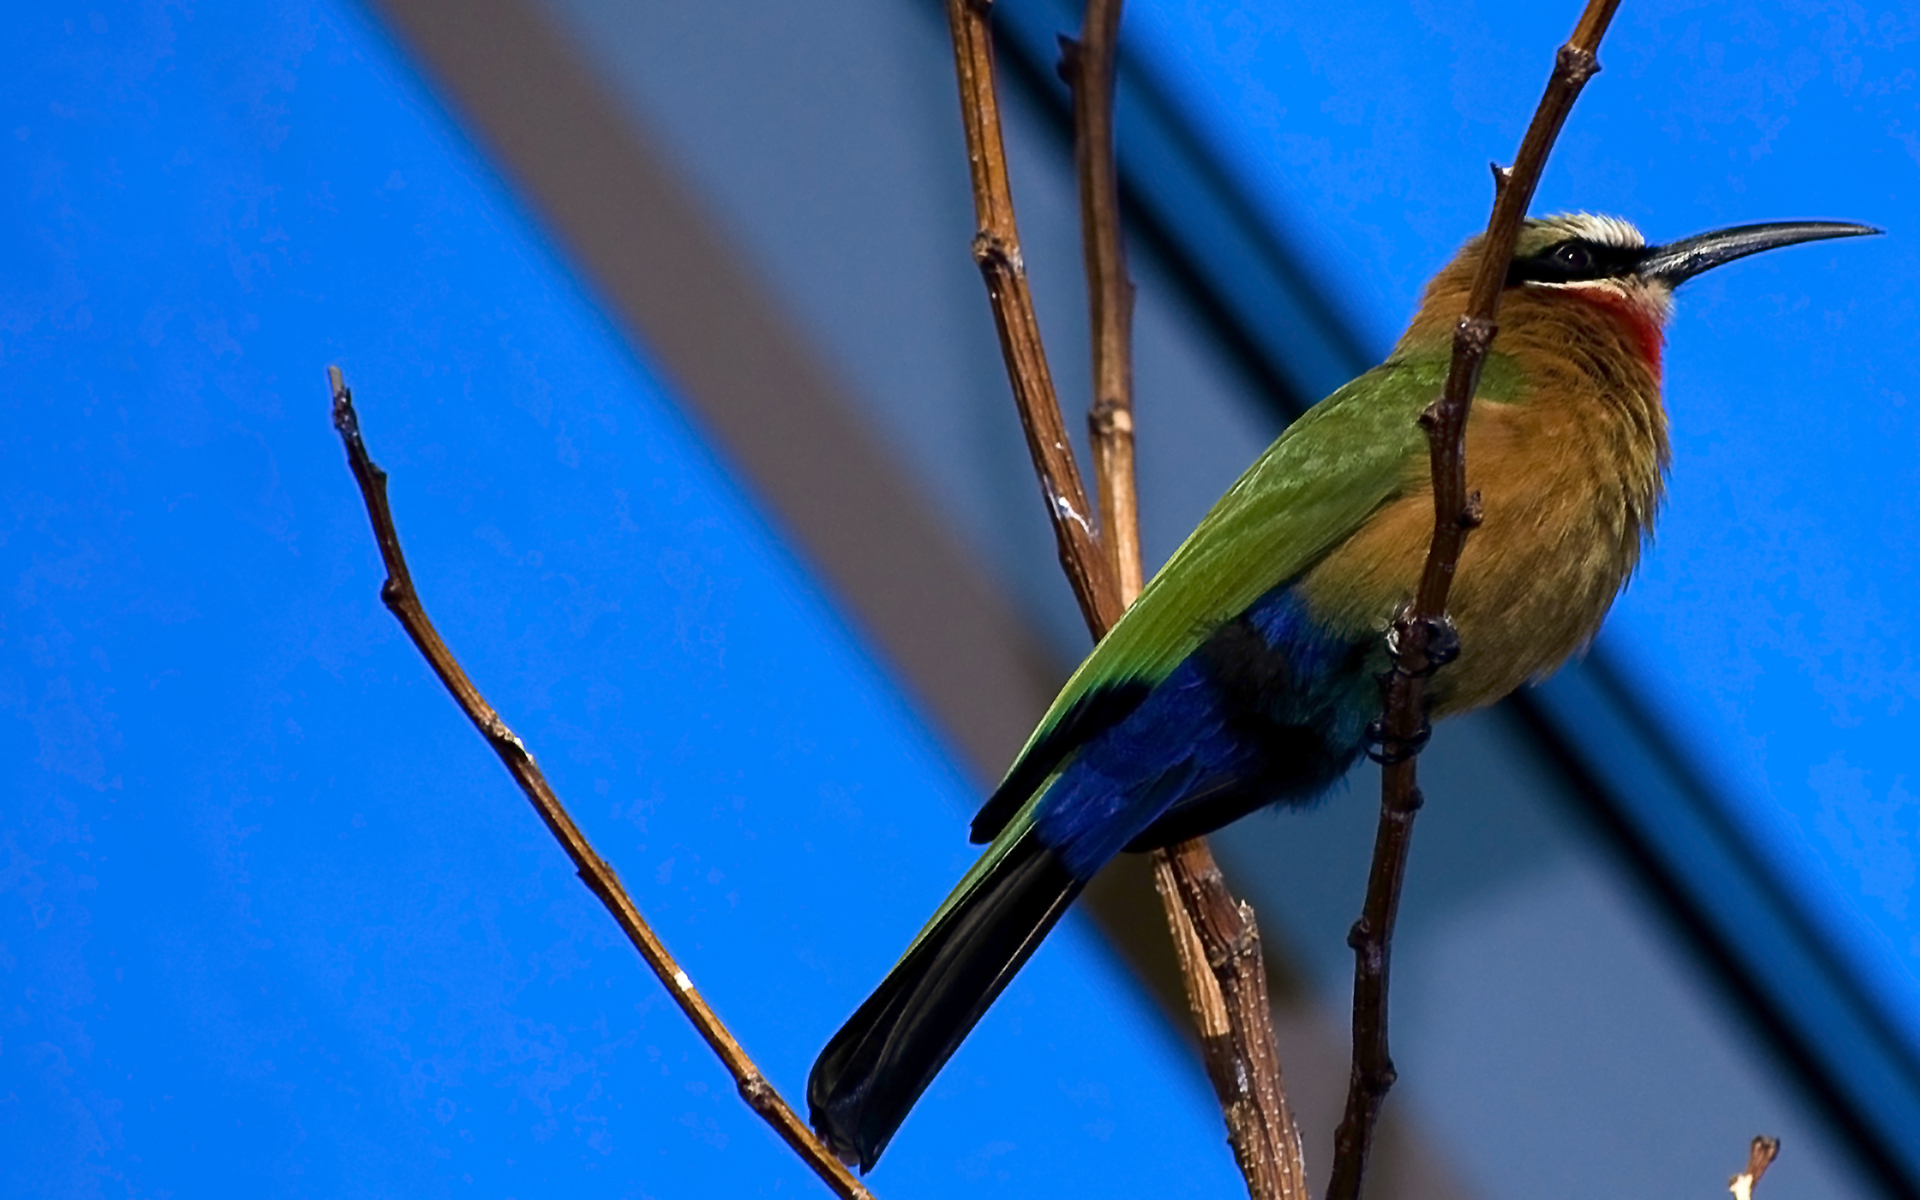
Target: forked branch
404, 602
1214, 936
996, 250
1402, 728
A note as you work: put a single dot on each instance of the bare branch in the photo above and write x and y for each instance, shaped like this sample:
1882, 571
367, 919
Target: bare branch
401, 599
1218, 944
1215, 937
996, 249
1227, 990
1089, 67
1403, 725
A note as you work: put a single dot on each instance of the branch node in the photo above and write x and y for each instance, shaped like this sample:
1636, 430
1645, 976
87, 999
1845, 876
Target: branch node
1240, 948
992, 252
1068, 68
1576, 64
345, 420
498, 731
1474, 513
758, 1094
1475, 334
1248, 924
1108, 417
1380, 1080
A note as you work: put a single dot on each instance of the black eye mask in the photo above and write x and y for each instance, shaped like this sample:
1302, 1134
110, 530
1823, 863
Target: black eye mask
1573, 261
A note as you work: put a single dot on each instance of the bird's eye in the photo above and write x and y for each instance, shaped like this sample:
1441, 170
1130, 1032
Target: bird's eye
1573, 256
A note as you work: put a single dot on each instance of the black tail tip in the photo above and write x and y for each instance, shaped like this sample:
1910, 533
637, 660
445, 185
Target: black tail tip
844, 1142
870, 1074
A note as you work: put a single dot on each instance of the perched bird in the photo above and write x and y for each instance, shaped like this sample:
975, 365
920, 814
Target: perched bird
1244, 675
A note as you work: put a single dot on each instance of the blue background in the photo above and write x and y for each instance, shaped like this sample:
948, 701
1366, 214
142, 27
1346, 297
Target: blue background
272, 920
1769, 627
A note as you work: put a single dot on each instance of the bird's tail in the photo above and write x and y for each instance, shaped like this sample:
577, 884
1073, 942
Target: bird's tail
874, 1069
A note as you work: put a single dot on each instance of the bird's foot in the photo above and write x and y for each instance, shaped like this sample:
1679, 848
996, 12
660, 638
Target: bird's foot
1388, 750
1442, 642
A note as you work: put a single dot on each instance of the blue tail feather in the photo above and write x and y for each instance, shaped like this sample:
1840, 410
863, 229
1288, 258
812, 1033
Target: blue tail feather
1270, 709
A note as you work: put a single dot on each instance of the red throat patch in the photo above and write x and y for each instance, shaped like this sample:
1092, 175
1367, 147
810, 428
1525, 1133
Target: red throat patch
1643, 324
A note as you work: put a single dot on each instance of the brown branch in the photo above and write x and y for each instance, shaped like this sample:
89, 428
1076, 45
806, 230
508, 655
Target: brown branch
996, 249
1403, 725
1088, 66
1215, 937
1760, 1156
1218, 944
401, 599
1226, 980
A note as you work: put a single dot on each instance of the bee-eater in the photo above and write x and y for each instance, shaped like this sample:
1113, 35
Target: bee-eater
1244, 675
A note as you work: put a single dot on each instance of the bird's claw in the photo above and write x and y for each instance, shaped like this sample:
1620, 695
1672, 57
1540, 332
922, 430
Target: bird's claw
1387, 750
1443, 643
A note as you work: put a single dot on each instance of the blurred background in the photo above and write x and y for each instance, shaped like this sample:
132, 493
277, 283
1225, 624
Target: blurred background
662, 319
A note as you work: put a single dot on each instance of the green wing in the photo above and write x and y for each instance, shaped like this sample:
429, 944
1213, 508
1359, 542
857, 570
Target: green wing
1316, 484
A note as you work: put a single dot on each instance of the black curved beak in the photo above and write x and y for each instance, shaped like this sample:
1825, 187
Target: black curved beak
1676, 262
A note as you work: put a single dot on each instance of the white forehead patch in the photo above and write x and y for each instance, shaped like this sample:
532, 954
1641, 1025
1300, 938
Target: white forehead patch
1593, 227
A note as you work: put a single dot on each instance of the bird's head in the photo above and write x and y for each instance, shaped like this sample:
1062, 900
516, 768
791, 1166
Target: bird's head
1574, 268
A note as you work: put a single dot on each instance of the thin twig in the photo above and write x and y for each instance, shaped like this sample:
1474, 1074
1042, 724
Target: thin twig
401, 599
1215, 938
996, 249
1089, 66
1403, 725
1760, 1156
